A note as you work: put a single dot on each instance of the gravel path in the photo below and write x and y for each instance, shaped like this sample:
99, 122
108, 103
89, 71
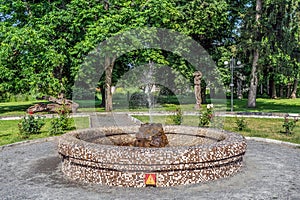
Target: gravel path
32, 171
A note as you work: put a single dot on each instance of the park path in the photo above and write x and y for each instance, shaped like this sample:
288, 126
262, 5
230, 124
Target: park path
111, 119
95, 116
32, 170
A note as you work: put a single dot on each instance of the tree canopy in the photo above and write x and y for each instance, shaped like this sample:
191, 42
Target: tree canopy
43, 43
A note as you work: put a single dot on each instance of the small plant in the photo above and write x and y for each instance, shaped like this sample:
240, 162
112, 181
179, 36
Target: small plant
241, 123
177, 117
62, 123
30, 125
289, 125
206, 117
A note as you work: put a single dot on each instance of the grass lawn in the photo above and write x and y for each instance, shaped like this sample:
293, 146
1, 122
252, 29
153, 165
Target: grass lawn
268, 105
16, 108
263, 105
9, 132
256, 127
269, 128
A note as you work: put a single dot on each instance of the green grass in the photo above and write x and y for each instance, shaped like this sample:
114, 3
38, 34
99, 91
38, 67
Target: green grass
256, 127
9, 132
263, 105
268, 105
269, 128
16, 108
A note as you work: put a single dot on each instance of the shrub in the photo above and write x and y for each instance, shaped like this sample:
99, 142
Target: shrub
289, 125
30, 125
140, 100
241, 123
62, 123
177, 117
206, 117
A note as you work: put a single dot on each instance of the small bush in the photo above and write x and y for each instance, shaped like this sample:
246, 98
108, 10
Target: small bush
206, 117
289, 125
60, 124
177, 117
241, 123
30, 125
140, 100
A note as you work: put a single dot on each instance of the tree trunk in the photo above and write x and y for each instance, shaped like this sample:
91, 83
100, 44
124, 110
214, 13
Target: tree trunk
102, 90
253, 81
294, 92
281, 90
253, 77
239, 89
272, 92
288, 90
109, 64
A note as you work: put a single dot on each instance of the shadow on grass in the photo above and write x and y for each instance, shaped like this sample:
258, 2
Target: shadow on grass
16, 107
268, 105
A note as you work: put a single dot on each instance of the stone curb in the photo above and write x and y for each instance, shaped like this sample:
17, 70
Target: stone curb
34, 141
272, 141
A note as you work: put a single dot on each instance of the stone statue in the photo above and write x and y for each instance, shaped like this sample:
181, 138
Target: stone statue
197, 86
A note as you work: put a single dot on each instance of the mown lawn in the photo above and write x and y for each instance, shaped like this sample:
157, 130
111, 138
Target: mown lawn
256, 127
9, 132
16, 108
263, 105
268, 128
268, 105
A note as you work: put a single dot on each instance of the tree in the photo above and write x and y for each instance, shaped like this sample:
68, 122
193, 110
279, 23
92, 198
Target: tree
270, 40
63, 32
253, 75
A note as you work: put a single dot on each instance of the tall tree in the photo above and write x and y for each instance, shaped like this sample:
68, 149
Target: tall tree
270, 41
253, 75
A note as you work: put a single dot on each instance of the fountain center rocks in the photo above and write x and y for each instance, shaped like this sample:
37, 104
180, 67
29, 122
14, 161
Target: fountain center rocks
150, 155
151, 135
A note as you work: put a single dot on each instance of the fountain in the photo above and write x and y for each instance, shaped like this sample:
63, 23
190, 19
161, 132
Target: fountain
135, 156
153, 154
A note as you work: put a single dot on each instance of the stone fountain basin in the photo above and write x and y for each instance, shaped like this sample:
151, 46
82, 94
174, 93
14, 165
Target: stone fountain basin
193, 155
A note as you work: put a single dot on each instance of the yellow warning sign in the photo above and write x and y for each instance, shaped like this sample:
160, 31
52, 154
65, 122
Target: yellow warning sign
150, 179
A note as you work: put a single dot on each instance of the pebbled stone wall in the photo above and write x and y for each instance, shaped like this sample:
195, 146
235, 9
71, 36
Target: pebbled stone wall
193, 155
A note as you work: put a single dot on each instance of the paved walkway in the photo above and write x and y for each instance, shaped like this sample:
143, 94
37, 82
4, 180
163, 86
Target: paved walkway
32, 171
112, 119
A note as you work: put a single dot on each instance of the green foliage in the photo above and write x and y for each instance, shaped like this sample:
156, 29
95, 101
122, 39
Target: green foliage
9, 132
276, 36
241, 123
60, 124
44, 43
30, 125
289, 125
177, 117
140, 100
207, 116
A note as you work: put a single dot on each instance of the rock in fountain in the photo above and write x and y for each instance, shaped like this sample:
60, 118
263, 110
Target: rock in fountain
151, 135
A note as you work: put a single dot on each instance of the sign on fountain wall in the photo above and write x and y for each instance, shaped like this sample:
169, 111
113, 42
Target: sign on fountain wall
150, 180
